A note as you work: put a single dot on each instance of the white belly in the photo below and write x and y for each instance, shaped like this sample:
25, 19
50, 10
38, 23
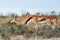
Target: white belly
44, 22
29, 21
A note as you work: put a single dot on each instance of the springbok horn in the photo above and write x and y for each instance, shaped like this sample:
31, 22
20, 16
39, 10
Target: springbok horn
14, 16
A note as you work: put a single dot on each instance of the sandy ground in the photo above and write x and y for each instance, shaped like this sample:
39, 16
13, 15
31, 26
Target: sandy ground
32, 38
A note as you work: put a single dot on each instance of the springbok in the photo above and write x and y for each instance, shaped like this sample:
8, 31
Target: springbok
48, 19
25, 20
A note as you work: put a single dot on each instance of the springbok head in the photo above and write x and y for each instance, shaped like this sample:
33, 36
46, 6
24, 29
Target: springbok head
13, 20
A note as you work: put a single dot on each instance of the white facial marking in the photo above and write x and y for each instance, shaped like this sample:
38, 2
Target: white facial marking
12, 21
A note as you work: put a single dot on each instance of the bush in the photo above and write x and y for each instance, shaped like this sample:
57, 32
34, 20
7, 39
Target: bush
14, 29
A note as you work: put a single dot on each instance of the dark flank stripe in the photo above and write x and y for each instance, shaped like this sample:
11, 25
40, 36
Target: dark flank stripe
28, 20
42, 19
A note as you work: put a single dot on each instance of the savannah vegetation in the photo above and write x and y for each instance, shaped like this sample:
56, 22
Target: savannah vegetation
7, 29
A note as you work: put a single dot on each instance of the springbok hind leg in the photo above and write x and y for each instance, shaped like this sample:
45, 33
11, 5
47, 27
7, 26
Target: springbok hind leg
55, 23
49, 24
